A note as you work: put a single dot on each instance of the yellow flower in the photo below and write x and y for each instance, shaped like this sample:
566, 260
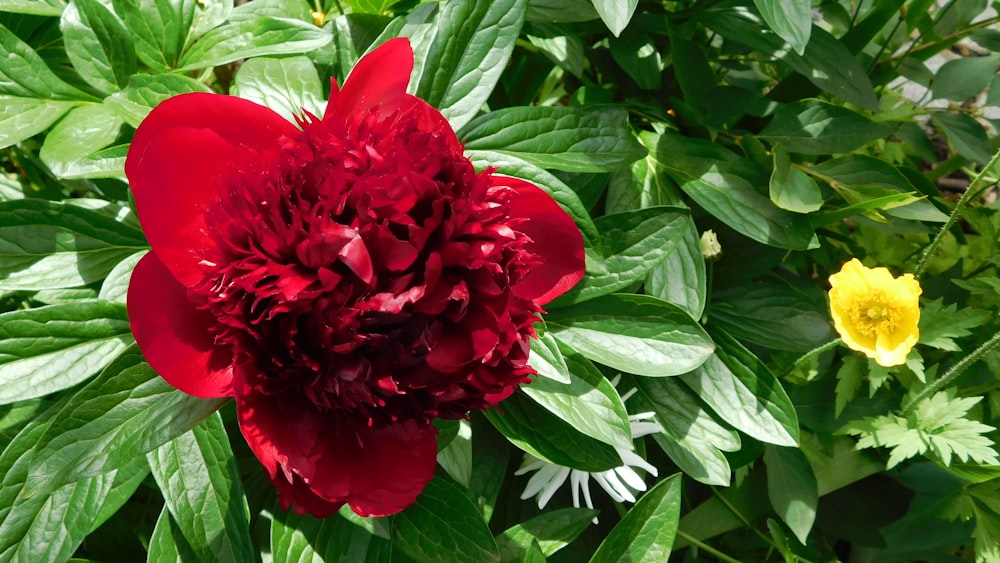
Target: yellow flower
874, 312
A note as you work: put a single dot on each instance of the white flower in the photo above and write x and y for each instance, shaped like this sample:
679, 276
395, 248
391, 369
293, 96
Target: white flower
620, 483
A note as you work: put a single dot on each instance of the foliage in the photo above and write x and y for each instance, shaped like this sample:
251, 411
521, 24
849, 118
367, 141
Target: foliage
803, 134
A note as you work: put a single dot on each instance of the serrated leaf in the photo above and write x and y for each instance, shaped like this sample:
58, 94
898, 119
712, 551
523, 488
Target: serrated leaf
790, 19
637, 334
200, 482
253, 37
646, 533
550, 531
593, 139
289, 85
84, 131
24, 74
743, 392
941, 324
21, 118
792, 489
443, 525
47, 349
471, 46
615, 14
98, 45
849, 378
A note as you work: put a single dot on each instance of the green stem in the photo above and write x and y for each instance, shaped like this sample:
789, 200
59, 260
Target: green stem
706, 548
815, 352
955, 371
974, 188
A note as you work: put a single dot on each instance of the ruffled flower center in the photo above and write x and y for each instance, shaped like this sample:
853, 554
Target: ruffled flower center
873, 314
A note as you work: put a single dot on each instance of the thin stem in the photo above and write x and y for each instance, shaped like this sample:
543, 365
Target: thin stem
746, 523
974, 188
815, 352
706, 548
955, 371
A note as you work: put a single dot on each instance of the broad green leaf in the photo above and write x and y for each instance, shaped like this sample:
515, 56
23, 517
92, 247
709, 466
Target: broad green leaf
115, 286
35, 7
791, 188
144, 92
551, 531
565, 11
84, 131
743, 392
443, 525
561, 47
167, 542
490, 456
463, 62
633, 243
594, 139
456, 457
543, 435
289, 85
964, 78
21, 118
88, 435
723, 184
615, 14
352, 35
293, 9
815, 127
200, 482
638, 55
691, 436
253, 37
98, 45
790, 19
646, 533
547, 359
965, 134
371, 6
47, 349
48, 245
681, 278
304, 539
589, 403
792, 489
774, 316
826, 62
24, 74
158, 29
637, 334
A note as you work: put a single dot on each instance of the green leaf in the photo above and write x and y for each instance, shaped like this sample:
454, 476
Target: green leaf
691, 437
849, 378
744, 393
167, 542
638, 55
545, 436
561, 47
646, 533
941, 324
471, 45
456, 457
157, 28
144, 92
304, 539
49, 245
115, 286
21, 118
253, 36
593, 139
561, 11
24, 74
816, 127
88, 435
98, 45
490, 456
774, 316
84, 131
371, 6
443, 525
632, 244
791, 188
615, 14
634, 333
289, 85
589, 403
35, 7
792, 488
964, 78
47, 349
790, 19
681, 278
200, 482
550, 531
967, 136
723, 184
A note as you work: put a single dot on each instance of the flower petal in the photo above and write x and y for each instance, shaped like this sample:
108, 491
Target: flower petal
175, 337
378, 80
176, 159
557, 241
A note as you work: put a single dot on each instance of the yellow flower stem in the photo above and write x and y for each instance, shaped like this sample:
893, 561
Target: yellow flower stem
974, 188
952, 373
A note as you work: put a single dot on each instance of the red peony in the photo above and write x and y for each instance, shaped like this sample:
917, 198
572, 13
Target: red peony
346, 280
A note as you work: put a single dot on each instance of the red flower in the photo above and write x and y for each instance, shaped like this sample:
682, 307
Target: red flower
346, 282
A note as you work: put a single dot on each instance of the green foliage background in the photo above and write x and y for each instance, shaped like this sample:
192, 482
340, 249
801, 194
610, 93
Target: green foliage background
802, 133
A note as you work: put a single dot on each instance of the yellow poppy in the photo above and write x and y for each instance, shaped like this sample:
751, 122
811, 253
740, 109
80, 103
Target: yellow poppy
874, 312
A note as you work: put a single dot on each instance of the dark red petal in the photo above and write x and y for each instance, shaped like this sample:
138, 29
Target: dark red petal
175, 337
298, 496
379, 79
557, 242
174, 163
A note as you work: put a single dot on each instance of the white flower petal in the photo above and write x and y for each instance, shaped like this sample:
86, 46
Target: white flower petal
634, 460
553, 486
631, 478
539, 480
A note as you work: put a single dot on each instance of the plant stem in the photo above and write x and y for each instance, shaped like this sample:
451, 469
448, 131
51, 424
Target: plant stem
814, 352
955, 371
974, 188
707, 548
